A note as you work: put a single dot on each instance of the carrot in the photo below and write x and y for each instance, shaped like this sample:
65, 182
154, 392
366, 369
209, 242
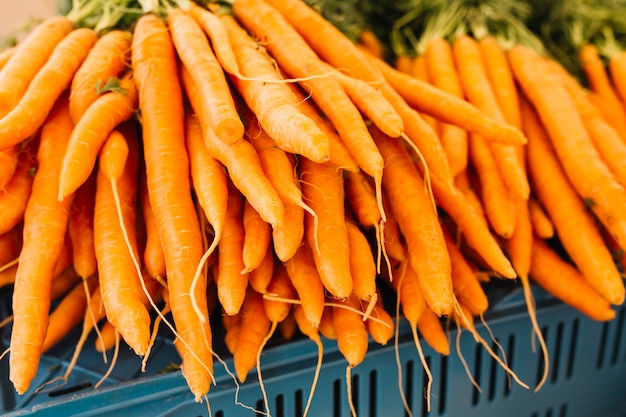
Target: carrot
281, 287
273, 103
36, 271
260, 277
466, 286
282, 40
338, 153
599, 82
92, 129
45, 88
371, 42
288, 327
10, 245
542, 223
425, 244
15, 196
29, 58
392, 238
67, 314
113, 230
563, 280
448, 108
580, 160
410, 295
572, 221
208, 76
155, 73
81, 229
443, 75
326, 326
107, 59
241, 161
254, 326
153, 257
322, 187
361, 197
279, 167
617, 69
64, 281
306, 280
432, 331
232, 325
352, 334
231, 279
419, 69
362, 265
382, 329
478, 88
6, 55
256, 238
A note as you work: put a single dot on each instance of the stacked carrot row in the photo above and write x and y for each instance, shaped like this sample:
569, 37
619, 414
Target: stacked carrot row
260, 166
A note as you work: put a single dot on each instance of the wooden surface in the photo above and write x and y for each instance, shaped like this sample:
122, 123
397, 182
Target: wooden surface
15, 14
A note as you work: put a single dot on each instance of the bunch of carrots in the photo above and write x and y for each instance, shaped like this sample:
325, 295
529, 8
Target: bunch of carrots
256, 165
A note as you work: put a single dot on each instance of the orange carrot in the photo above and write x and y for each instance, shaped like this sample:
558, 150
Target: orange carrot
592, 179
256, 238
419, 69
280, 286
432, 331
563, 280
362, 264
381, 330
36, 271
29, 58
369, 40
153, 257
46, 87
167, 166
6, 55
241, 161
260, 277
307, 282
208, 76
10, 245
9, 159
572, 221
273, 103
231, 279
425, 244
106, 61
409, 293
15, 196
92, 129
253, 328
80, 228
352, 334
542, 224
322, 187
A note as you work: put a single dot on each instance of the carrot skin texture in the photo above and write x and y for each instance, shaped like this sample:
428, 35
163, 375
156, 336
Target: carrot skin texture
40, 251
351, 331
14, 197
46, 87
167, 168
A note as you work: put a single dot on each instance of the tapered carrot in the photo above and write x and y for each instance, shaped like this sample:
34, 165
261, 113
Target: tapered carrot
596, 75
326, 326
273, 103
10, 245
443, 75
40, 251
232, 325
282, 287
419, 69
480, 91
53, 78
362, 199
542, 224
92, 129
156, 76
232, 280
9, 159
322, 187
580, 160
282, 40
305, 278
256, 238
432, 331
116, 241
254, 327
241, 161
371, 42
260, 277
563, 280
352, 334
197, 56
106, 61
153, 257
410, 297
362, 264
466, 286
28, 59
572, 221
15, 196
617, 69
80, 228
5, 55
448, 108
425, 244
381, 330
392, 238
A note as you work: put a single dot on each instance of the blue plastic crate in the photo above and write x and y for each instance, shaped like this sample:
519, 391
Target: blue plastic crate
587, 375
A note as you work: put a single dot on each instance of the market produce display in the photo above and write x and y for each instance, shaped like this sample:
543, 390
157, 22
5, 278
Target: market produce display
264, 166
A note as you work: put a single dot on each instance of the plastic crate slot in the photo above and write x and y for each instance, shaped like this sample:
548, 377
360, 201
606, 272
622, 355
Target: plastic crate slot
373, 393
602, 345
573, 343
557, 355
279, 409
563, 411
443, 384
617, 342
68, 390
298, 402
260, 408
354, 392
219, 414
408, 385
478, 358
337, 398
510, 354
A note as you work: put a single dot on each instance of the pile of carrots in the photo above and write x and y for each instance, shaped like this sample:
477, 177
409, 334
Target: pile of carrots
258, 166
